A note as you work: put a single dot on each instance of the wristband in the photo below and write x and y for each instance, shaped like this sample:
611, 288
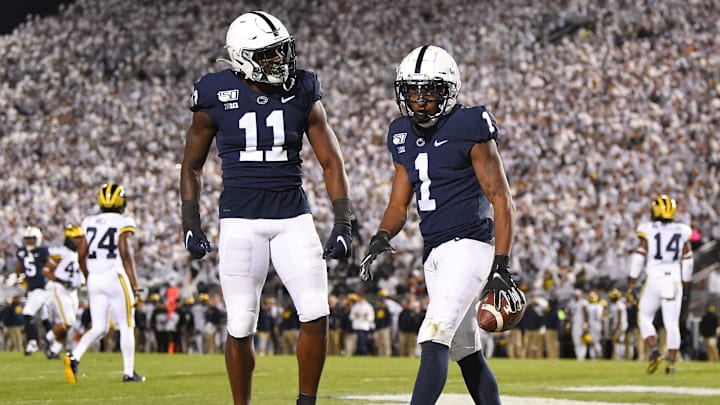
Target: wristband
383, 234
341, 210
502, 260
190, 215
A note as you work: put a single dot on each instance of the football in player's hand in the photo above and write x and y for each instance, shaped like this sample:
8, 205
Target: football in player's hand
492, 320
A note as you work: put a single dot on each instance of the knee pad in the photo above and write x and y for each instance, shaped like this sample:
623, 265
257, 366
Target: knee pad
310, 308
241, 324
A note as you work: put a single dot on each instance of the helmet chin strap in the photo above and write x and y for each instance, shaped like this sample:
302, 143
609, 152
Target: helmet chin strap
288, 84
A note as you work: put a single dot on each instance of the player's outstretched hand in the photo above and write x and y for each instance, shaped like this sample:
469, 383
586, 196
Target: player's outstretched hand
379, 243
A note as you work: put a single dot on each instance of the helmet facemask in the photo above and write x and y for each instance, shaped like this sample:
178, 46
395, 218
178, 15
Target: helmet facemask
431, 97
274, 64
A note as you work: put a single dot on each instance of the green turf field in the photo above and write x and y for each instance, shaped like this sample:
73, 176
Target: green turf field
183, 379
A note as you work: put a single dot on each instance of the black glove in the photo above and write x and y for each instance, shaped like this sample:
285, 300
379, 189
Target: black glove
196, 243
379, 243
339, 244
195, 240
502, 284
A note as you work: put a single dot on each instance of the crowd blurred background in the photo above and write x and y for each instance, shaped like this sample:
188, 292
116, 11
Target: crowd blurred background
602, 106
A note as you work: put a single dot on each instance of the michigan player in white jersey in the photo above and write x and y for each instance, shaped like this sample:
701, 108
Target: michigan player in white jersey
595, 320
106, 259
577, 307
617, 314
666, 257
64, 278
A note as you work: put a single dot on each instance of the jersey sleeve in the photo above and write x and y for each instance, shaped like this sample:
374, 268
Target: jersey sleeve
202, 95
311, 85
643, 230
396, 138
484, 124
55, 252
127, 225
686, 232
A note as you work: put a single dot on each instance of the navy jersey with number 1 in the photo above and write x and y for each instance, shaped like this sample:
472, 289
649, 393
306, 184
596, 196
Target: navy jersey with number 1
450, 201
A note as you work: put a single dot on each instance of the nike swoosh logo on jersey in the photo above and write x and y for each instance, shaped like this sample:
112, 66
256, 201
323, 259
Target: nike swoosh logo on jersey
286, 99
439, 143
187, 237
342, 240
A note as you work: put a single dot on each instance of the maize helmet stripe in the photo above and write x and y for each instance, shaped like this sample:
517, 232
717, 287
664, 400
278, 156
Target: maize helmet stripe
73, 231
664, 207
111, 196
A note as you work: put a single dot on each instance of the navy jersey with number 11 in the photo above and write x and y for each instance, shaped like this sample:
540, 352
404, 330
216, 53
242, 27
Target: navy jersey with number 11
450, 201
259, 138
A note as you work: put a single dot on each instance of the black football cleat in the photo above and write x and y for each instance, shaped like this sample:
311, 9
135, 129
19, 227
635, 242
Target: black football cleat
71, 368
133, 378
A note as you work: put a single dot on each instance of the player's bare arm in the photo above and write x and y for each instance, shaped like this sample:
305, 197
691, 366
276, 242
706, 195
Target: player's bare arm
327, 150
126, 255
197, 145
82, 255
395, 214
490, 173
48, 269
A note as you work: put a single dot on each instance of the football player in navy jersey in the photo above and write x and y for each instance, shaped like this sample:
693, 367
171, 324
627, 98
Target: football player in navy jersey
258, 111
447, 155
32, 258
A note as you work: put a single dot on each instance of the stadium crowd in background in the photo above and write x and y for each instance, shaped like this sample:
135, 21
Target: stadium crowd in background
603, 105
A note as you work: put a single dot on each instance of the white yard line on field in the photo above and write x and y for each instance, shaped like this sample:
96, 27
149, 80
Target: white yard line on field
464, 399
641, 388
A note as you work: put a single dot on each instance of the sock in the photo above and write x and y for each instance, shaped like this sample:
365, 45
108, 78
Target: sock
479, 379
30, 329
431, 377
47, 324
127, 347
50, 336
306, 399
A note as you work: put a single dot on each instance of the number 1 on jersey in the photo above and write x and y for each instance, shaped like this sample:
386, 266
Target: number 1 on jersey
425, 203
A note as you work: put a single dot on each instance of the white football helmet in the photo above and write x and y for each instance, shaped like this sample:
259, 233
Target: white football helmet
261, 49
32, 237
427, 70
